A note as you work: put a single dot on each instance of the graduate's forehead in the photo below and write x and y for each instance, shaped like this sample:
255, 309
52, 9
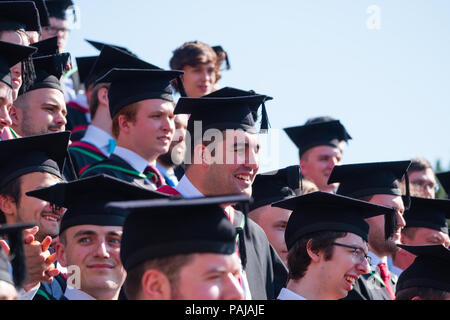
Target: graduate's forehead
233, 136
93, 230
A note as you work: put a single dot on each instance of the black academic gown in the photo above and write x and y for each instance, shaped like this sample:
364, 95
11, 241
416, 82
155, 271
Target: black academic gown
118, 163
83, 156
266, 273
369, 288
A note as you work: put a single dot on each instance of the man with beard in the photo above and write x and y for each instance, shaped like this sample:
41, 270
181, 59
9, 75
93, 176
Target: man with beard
320, 142
223, 160
168, 162
42, 108
90, 236
30, 163
377, 183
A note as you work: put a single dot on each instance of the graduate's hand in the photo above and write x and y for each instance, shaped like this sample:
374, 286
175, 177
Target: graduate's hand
4, 246
38, 259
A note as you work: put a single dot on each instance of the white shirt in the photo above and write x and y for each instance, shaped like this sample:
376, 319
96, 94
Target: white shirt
75, 294
376, 260
99, 138
286, 294
187, 189
168, 173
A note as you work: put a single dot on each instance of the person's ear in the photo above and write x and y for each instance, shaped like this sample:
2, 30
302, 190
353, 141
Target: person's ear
314, 255
61, 254
8, 207
16, 116
102, 96
155, 285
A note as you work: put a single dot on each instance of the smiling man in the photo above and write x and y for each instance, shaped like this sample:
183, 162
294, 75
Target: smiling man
326, 236
377, 183
222, 159
90, 236
42, 108
142, 108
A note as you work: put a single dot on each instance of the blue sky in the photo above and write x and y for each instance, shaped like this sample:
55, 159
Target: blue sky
389, 86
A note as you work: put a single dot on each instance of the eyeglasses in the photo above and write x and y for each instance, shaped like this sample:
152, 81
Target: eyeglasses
54, 31
424, 185
358, 254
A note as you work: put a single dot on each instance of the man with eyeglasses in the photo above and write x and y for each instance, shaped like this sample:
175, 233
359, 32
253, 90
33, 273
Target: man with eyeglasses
326, 237
57, 12
422, 180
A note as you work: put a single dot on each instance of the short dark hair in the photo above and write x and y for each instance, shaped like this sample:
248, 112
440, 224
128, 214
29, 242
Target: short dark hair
298, 259
170, 266
419, 164
422, 293
13, 190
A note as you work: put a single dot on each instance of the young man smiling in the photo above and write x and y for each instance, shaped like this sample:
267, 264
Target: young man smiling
326, 236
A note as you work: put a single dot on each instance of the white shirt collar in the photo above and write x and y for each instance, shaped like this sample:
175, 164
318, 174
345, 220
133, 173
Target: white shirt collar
187, 189
75, 294
376, 260
99, 138
136, 161
286, 294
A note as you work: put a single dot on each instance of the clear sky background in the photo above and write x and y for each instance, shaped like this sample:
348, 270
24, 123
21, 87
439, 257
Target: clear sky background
384, 73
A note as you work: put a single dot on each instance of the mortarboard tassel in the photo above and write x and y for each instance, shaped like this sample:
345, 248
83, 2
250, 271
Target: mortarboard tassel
242, 249
264, 118
408, 195
181, 87
390, 224
28, 74
17, 258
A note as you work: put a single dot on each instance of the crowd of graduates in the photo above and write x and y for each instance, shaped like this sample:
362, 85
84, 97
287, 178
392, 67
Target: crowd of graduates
121, 180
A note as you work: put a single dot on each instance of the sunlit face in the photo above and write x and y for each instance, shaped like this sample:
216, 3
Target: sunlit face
31, 209
210, 277
424, 181
177, 148
273, 221
45, 113
377, 240
317, 163
5, 105
341, 272
234, 164
95, 250
155, 122
199, 80
58, 27
16, 37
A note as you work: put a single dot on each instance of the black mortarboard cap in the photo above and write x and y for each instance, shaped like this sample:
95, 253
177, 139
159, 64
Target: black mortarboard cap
15, 15
84, 66
274, 186
46, 47
161, 228
58, 8
42, 10
99, 46
10, 55
132, 85
219, 52
444, 179
430, 269
49, 70
325, 133
323, 211
15, 241
85, 199
110, 58
428, 213
41, 153
227, 108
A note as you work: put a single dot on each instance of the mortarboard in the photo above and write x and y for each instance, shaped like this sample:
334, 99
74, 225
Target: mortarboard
132, 85
15, 242
111, 57
85, 199
99, 46
46, 47
274, 186
323, 211
41, 153
49, 70
161, 228
227, 108
221, 52
428, 213
10, 55
58, 8
444, 179
85, 65
326, 133
15, 15
42, 10
429, 269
